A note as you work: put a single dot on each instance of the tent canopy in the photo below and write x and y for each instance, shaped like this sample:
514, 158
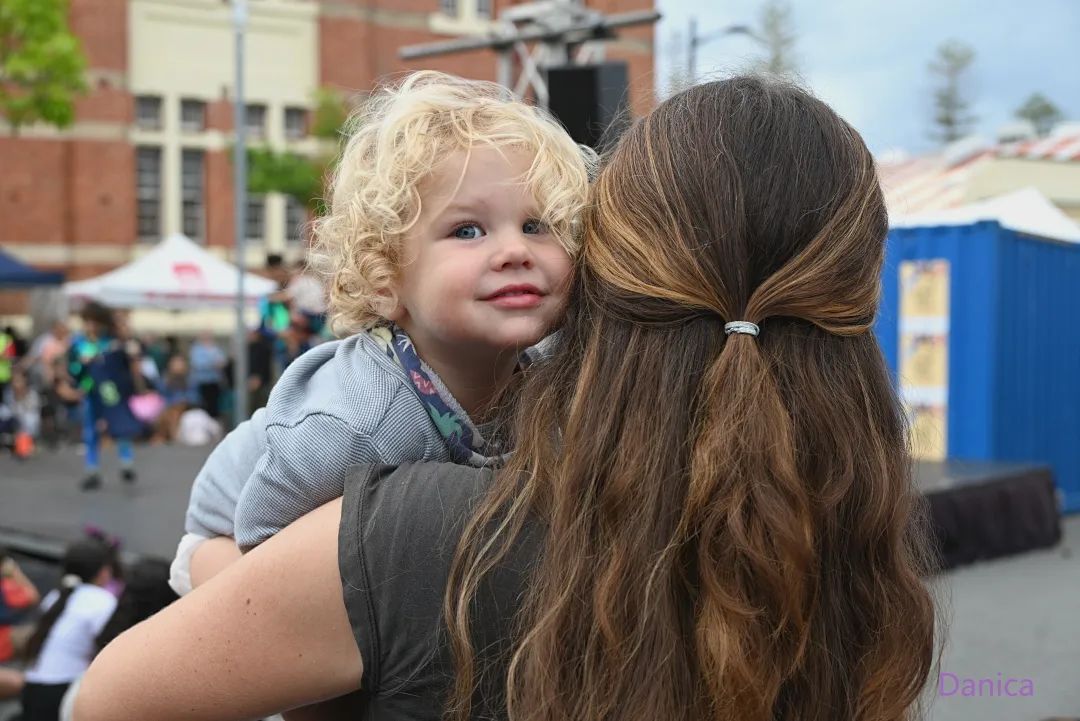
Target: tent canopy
1026, 211
16, 274
177, 274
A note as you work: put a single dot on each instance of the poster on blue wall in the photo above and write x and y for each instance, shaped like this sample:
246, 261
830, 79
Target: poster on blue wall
924, 354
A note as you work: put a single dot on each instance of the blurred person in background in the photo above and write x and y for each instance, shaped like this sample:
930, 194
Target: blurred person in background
207, 372
60, 410
20, 414
64, 641
146, 591
7, 358
260, 351
21, 347
307, 299
176, 383
46, 348
106, 375
274, 310
156, 349
17, 594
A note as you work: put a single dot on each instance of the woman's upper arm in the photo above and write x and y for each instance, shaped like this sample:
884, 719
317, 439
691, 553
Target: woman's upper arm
267, 634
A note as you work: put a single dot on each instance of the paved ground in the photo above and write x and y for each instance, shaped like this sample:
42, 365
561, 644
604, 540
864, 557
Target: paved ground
1017, 617
41, 497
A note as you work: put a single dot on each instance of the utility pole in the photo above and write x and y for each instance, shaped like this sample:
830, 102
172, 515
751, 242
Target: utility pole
240, 359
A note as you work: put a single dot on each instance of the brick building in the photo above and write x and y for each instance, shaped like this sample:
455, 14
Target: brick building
149, 152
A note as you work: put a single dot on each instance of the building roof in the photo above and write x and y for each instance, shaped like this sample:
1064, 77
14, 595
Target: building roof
939, 180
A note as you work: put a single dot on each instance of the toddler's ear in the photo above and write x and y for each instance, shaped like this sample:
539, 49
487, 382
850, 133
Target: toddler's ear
388, 306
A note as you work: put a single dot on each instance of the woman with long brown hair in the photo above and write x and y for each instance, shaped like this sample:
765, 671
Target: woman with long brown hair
709, 513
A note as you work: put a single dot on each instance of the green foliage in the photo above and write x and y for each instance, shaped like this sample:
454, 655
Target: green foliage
329, 115
952, 117
273, 172
41, 63
1040, 112
300, 176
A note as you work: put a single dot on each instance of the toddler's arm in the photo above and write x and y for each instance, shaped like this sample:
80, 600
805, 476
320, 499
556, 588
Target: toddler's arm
215, 493
305, 466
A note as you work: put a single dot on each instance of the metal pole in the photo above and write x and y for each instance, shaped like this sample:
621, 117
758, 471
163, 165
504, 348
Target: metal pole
504, 69
240, 360
691, 51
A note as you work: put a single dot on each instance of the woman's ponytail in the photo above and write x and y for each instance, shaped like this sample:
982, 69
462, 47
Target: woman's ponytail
749, 516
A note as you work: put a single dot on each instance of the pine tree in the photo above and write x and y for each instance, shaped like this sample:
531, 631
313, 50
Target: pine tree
952, 110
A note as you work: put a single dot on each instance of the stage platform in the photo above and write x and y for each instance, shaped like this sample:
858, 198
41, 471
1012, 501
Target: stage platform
978, 510
981, 510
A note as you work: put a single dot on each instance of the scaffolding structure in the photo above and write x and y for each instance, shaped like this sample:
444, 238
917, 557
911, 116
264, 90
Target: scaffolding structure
560, 33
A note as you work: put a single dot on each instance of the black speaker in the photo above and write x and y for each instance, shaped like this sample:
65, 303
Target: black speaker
591, 101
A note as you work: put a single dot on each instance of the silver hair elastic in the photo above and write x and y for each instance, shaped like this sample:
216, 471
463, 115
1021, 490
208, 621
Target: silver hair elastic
70, 581
741, 326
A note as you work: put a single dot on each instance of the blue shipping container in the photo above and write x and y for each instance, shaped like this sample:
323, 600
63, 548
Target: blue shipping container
1013, 389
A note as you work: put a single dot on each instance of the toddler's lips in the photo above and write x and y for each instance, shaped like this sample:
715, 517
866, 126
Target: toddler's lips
516, 297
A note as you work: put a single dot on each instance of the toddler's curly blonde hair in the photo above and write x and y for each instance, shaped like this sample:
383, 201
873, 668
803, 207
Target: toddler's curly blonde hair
399, 135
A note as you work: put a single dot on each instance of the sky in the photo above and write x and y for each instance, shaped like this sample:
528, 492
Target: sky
868, 58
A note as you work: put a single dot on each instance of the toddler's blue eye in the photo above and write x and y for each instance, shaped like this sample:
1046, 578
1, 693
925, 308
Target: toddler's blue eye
533, 227
469, 231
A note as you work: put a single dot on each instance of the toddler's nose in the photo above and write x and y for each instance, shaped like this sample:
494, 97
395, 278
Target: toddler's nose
512, 251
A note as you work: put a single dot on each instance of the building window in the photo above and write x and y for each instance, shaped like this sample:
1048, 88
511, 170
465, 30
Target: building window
295, 123
255, 220
192, 116
483, 8
148, 192
448, 7
191, 192
296, 218
256, 120
148, 112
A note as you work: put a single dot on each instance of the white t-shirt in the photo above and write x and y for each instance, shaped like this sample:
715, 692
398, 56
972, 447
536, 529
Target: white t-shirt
70, 646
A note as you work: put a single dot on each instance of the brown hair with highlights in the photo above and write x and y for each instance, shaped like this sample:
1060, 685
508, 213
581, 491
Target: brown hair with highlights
730, 526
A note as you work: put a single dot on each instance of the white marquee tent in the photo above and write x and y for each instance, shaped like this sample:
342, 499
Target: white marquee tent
177, 274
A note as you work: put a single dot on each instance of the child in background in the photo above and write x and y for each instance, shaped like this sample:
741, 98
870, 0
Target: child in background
25, 403
146, 591
64, 641
105, 370
449, 240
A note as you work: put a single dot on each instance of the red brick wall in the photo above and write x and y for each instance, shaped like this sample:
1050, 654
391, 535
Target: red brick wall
219, 198
219, 115
345, 53
33, 191
640, 71
104, 193
101, 26
105, 103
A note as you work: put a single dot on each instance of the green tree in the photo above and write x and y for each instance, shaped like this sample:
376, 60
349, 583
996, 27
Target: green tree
952, 109
41, 63
300, 176
776, 33
1040, 112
